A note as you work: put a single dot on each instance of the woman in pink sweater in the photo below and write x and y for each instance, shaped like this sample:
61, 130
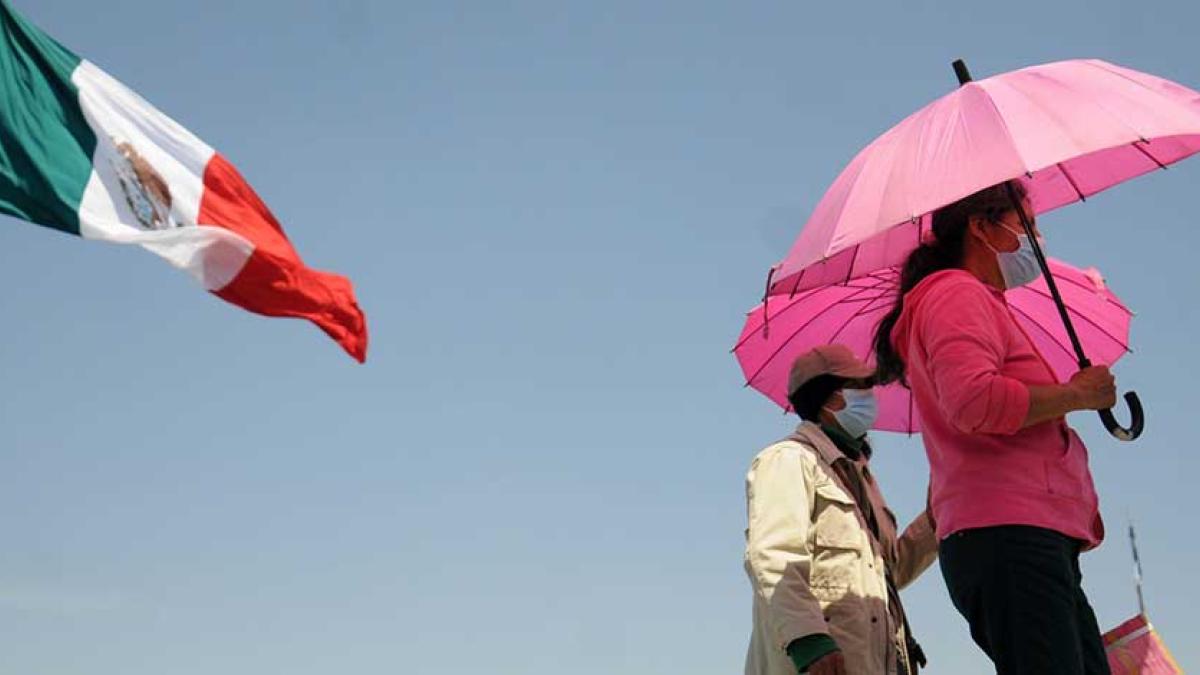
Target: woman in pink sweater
1010, 489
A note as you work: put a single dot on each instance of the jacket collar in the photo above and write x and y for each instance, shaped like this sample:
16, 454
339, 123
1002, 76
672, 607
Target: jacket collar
814, 436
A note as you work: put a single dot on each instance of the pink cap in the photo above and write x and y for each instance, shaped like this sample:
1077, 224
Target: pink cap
826, 360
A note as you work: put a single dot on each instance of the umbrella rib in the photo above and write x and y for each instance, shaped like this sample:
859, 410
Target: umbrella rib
787, 307
1071, 180
881, 279
869, 309
1045, 332
1076, 314
1112, 300
1062, 279
853, 259
1053, 339
860, 313
873, 310
1108, 300
1144, 151
799, 278
799, 330
811, 293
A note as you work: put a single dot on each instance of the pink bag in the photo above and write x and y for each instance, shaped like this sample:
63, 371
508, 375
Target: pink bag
1134, 648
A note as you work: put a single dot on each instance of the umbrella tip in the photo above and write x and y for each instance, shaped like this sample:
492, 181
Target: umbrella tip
960, 70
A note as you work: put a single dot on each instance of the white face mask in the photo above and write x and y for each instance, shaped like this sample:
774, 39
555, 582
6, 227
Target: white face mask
1021, 266
859, 415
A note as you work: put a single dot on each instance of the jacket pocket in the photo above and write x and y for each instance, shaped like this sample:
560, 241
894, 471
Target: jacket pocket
837, 540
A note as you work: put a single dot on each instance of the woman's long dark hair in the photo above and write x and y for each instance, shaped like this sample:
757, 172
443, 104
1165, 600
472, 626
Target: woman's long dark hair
942, 252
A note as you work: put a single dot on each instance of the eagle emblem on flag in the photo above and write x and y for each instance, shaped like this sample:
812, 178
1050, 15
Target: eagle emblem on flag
146, 192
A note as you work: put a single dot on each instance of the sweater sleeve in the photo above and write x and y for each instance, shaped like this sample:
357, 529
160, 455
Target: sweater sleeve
964, 342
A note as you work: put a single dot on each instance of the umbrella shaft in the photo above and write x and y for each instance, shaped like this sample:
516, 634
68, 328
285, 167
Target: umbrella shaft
1084, 362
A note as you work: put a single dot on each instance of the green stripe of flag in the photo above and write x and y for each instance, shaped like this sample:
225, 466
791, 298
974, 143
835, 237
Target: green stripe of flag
46, 145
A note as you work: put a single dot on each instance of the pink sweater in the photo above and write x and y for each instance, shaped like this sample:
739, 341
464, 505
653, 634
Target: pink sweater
969, 366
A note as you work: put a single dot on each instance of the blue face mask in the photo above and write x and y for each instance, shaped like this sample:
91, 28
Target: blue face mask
1021, 266
859, 415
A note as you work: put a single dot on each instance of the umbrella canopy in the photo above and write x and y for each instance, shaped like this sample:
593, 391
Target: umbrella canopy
1071, 129
849, 314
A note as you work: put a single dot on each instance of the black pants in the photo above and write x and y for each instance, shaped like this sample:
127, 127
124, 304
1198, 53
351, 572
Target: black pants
1019, 588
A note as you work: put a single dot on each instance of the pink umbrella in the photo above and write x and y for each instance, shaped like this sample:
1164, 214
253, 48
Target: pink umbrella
1069, 129
1072, 129
849, 313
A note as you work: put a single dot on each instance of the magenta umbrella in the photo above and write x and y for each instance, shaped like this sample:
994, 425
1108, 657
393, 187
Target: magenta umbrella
1069, 130
780, 330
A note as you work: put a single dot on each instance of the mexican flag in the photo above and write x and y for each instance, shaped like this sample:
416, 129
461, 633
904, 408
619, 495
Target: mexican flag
82, 153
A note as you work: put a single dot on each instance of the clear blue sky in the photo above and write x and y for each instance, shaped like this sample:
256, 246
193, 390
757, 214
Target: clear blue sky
556, 214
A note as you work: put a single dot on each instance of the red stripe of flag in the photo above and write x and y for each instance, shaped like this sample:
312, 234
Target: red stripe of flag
275, 281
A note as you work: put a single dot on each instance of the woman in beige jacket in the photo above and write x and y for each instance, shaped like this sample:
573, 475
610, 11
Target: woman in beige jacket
822, 550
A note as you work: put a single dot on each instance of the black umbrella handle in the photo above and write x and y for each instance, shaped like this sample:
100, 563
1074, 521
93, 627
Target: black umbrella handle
1135, 427
1137, 415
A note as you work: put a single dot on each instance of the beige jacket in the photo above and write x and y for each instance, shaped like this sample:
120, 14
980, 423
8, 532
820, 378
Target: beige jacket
813, 563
